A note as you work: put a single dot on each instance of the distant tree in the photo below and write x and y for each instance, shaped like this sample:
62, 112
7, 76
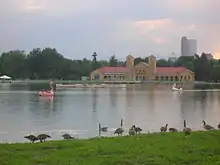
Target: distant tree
47, 63
103, 63
203, 68
113, 61
13, 63
139, 59
215, 73
164, 63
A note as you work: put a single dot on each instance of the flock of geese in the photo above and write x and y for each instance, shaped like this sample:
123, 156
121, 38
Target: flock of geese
134, 130
43, 137
188, 130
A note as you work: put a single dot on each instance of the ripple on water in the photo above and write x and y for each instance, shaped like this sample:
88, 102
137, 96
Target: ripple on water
77, 111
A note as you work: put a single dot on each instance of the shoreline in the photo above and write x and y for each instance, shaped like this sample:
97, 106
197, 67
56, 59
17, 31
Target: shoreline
26, 141
109, 82
200, 147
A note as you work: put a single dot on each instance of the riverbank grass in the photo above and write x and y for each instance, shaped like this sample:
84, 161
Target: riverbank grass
199, 148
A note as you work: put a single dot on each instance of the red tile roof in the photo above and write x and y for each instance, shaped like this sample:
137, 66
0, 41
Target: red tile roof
160, 70
113, 70
165, 70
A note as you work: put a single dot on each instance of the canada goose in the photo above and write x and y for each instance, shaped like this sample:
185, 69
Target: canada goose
218, 126
103, 129
132, 131
136, 129
164, 128
173, 130
207, 127
186, 130
32, 138
121, 123
67, 136
119, 131
43, 137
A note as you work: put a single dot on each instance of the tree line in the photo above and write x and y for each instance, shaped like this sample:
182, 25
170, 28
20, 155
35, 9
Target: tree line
48, 63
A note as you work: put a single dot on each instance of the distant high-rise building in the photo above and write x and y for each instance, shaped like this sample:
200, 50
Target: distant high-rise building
188, 47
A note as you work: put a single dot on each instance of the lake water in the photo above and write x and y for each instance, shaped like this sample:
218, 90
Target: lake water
78, 111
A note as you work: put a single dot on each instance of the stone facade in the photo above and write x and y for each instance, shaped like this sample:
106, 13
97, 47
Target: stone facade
143, 71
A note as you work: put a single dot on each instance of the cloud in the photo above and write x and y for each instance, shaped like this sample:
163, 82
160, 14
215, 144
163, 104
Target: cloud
55, 8
160, 28
217, 51
153, 25
193, 11
79, 27
159, 40
165, 34
162, 34
216, 55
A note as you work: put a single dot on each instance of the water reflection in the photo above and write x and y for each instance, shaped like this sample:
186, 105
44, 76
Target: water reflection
79, 111
202, 96
47, 102
94, 121
5, 86
129, 96
218, 98
151, 97
94, 100
113, 96
189, 110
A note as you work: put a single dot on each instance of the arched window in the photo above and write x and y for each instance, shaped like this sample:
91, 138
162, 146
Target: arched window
176, 78
96, 76
171, 78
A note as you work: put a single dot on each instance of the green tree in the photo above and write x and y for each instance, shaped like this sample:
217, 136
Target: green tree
47, 63
13, 63
215, 73
186, 61
139, 59
164, 63
202, 68
113, 61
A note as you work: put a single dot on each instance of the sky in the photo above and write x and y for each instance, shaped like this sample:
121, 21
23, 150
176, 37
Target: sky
77, 28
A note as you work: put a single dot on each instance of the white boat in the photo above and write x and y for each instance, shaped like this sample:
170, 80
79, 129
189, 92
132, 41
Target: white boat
174, 88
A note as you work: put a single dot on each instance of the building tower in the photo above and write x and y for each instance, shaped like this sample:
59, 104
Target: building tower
130, 62
130, 65
152, 66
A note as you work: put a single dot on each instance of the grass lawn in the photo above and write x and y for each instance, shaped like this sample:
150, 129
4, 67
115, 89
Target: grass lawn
199, 148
